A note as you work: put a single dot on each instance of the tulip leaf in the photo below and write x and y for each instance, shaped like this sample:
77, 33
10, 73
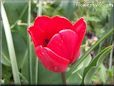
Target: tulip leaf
102, 73
84, 64
90, 74
91, 69
76, 78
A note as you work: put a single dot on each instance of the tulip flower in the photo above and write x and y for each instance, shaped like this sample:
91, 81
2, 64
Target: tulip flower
57, 41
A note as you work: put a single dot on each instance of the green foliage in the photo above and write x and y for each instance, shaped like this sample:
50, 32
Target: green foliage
76, 77
91, 69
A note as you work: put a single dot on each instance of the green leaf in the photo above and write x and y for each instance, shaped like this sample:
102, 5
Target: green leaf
89, 75
75, 78
84, 64
91, 69
102, 73
87, 61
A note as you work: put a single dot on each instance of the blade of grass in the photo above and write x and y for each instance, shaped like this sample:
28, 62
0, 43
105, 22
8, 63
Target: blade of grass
24, 58
29, 43
39, 13
111, 55
0, 49
10, 45
87, 53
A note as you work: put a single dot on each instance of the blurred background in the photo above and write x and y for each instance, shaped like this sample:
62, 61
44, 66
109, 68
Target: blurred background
99, 15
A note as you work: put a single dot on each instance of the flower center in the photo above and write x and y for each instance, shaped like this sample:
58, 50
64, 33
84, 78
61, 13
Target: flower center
46, 42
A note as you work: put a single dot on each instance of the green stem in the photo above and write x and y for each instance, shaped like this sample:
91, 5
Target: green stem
10, 45
39, 12
36, 77
63, 77
30, 44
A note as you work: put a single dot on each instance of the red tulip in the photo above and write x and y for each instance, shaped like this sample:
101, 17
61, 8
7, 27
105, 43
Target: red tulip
57, 41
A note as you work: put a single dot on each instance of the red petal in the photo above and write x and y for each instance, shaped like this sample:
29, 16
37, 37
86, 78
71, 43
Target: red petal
52, 25
76, 55
64, 44
80, 28
57, 45
38, 32
45, 27
42, 21
61, 23
56, 24
51, 60
70, 39
78, 23
37, 35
